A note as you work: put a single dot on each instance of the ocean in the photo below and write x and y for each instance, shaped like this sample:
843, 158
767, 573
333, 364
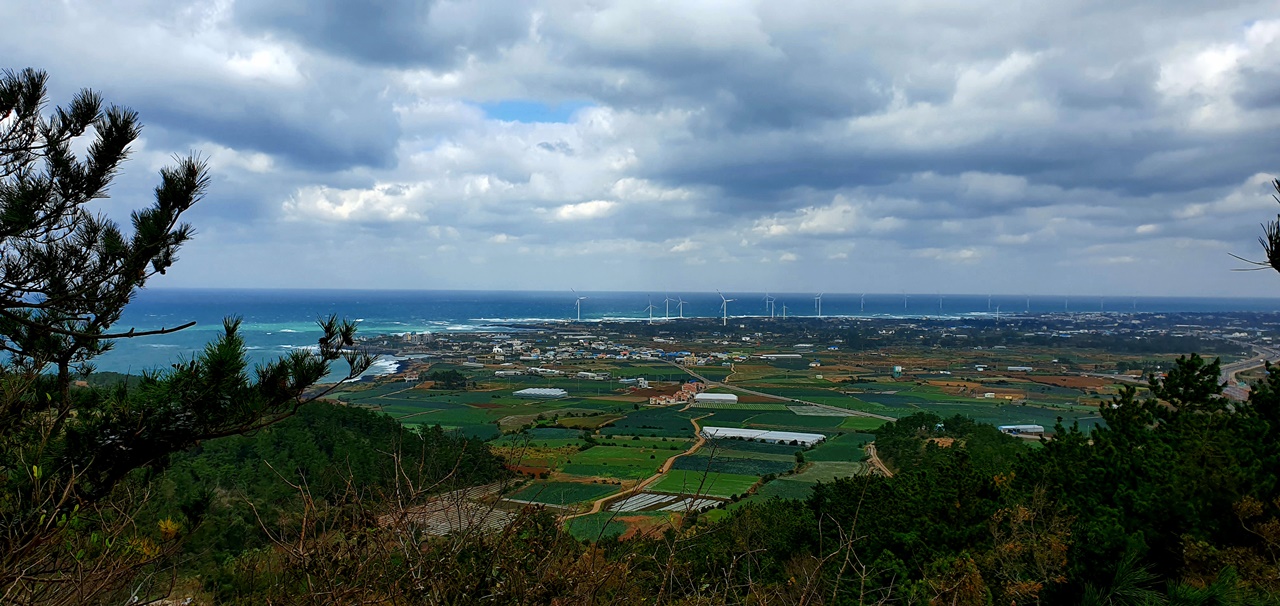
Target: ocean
276, 321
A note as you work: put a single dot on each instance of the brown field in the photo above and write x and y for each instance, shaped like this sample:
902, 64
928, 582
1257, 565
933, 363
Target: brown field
587, 422
655, 391
642, 526
1069, 381
954, 384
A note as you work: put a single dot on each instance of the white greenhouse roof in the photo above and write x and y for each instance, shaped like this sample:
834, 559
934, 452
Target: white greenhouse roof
715, 397
761, 434
541, 392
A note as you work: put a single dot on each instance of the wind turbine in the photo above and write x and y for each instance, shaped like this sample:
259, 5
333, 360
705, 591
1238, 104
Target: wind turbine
1028, 304
578, 303
650, 309
862, 306
817, 303
939, 303
667, 299
768, 304
680, 306
724, 308
988, 303
997, 314
905, 296
784, 311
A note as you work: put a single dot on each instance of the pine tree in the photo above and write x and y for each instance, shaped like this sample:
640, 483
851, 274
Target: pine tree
66, 275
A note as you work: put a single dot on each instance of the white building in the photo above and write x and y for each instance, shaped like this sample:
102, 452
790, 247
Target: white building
1021, 429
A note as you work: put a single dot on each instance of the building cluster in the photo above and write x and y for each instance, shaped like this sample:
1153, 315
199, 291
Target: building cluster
685, 394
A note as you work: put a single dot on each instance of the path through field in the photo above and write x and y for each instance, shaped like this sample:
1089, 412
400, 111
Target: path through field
876, 463
753, 392
600, 504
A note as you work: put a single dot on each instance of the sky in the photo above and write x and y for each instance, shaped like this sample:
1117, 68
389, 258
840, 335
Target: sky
1003, 146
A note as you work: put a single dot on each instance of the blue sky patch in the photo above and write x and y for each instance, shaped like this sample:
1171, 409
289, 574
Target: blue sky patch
519, 110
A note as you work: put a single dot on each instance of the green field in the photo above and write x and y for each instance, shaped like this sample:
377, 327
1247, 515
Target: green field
659, 422
733, 465
595, 526
562, 493
847, 447
784, 488
862, 423
696, 482
621, 462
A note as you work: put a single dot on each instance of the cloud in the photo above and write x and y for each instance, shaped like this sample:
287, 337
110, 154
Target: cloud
947, 146
594, 209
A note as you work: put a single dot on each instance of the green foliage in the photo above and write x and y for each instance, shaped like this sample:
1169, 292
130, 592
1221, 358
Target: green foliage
66, 275
448, 379
225, 488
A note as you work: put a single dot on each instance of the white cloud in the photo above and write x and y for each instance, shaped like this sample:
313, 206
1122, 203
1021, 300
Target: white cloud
386, 202
581, 211
721, 132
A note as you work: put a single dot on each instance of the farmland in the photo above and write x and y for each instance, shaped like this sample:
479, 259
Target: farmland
611, 431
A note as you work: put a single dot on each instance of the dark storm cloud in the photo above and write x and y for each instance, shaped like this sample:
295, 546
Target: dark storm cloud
436, 33
324, 127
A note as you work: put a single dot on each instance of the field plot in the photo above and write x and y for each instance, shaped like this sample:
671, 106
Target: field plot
746, 446
561, 493
679, 481
620, 462
691, 504
771, 420
643, 502
720, 464
819, 411
847, 447
862, 423
740, 405
785, 488
603, 525
454, 511
826, 471
592, 422
667, 421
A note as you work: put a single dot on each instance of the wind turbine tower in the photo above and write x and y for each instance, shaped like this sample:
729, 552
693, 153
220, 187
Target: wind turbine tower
578, 303
650, 309
667, 300
680, 306
862, 305
817, 303
724, 308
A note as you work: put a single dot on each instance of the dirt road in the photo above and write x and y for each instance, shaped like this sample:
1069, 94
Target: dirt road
600, 504
876, 464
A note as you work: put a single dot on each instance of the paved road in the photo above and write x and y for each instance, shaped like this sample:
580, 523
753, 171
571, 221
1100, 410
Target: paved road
856, 413
1230, 371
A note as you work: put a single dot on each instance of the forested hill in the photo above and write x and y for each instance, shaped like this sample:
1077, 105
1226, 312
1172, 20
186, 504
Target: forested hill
231, 491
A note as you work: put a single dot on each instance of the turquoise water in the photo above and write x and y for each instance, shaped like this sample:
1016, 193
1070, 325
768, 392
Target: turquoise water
276, 321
